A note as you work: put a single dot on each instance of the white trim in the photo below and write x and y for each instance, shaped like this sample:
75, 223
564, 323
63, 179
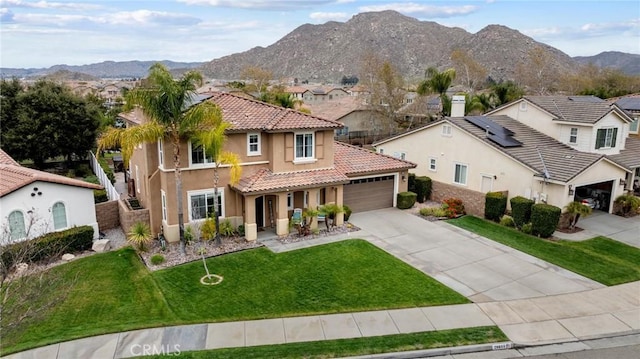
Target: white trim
137, 184
304, 159
221, 166
205, 192
257, 152
206, 164
490, 177
435, 164
66, 218
447, 130
571, 135
160, 153
24, 226
163, 204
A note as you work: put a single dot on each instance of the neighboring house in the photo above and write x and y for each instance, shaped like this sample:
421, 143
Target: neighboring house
631, 104
298, 92
467, 157
35, 202
630, 156
586, 123
289, 160
355, 116
319, 94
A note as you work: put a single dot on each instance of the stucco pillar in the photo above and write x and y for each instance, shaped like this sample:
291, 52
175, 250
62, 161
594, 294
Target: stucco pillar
282, 222
339, 202
250, 225
313, 204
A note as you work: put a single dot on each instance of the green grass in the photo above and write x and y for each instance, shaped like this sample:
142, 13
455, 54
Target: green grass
114, 292
601, 259
357, 346
340, 277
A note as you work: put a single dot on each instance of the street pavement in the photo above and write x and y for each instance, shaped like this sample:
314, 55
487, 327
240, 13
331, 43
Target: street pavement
536, 304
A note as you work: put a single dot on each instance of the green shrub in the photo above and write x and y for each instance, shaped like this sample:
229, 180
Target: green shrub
107, 169
208, 229
83, 170
100, 195
433, 211
507, 221
48, 246
495, 204
544, 219
139, 235
411, 184
188, 234
226, 228
406, 200
422, 188
527, 228
241, 230
453, 207
347, 212
157, 259
91, 179
521, 210
628, 205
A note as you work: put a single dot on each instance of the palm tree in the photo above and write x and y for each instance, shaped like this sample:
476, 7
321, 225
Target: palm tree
213, 142
576, 209
436, 81
166, 104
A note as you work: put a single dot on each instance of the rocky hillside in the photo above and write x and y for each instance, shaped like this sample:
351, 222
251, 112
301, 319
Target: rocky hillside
329, 51
627, 63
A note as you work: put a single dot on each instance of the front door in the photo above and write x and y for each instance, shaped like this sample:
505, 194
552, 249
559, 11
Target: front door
260, 212
487, 184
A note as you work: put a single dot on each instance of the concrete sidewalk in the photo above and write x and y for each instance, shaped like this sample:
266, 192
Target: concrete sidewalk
554, 319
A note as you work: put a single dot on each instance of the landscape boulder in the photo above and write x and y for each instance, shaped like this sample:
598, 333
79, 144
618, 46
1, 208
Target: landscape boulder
101, 245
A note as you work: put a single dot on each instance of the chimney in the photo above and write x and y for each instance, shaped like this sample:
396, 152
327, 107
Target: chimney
457, 106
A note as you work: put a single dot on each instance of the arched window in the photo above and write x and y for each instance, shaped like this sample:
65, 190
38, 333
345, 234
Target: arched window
59, 216
16, 225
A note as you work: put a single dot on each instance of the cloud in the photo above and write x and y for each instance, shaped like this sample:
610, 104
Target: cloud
327, 16
421, 10
261, 4
48, 5
6, 16
137, 18
590, 30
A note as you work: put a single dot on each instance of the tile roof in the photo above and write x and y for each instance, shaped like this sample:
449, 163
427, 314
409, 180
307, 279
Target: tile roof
579, 109
15, 176
630, 156
266, 181
562, 161
336, 109
248, 115
352, 161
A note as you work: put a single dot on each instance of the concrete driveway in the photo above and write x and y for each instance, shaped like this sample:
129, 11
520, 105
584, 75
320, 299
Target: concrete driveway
474, 266
622, 229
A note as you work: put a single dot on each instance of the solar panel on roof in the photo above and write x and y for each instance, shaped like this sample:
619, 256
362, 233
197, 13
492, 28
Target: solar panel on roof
497, 133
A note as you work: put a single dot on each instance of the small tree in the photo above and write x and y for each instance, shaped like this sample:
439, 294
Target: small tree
576, 209
139, 235
330, 211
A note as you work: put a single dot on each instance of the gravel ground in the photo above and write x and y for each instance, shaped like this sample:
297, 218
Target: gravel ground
322, 232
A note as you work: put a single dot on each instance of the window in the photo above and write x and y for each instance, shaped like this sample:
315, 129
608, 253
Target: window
198, 156
573, 136
290, 201
460, 176
633, 127
163, 197
201, 204
59, 216
606, 137
137, 179
400, 155
432, 164
523, 106
381, 151
160, 153
253, 144
446, 130
304, 146
16, 225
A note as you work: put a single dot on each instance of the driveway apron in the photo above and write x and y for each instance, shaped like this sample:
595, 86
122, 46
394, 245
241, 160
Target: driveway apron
478, 268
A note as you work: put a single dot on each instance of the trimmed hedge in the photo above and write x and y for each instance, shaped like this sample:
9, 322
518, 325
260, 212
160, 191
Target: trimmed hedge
100, 195
495, 204
48, 246
521, 210
411, 185
544, 219
422, 188
406, 200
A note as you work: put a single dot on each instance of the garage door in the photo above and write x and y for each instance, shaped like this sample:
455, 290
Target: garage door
367, 194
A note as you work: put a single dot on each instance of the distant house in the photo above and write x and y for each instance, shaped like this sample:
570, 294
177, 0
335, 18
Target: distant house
35, 202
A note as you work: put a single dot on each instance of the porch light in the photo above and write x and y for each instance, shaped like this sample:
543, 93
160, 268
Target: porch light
571, 190
623, 182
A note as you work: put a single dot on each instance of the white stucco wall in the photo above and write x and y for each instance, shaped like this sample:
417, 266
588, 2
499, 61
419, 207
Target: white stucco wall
610, 121
481, 160
532, 116
78, 202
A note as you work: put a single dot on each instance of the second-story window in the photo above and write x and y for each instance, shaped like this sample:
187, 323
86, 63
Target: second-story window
606, 137
573, 136
161, 153
197, 155
253, 144
304, 146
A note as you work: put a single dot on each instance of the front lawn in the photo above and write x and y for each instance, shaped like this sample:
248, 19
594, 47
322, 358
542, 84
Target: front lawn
601, 259
114, 291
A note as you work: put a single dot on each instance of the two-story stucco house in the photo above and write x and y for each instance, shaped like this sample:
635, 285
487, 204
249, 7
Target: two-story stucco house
33, 203
289, 160
468, 156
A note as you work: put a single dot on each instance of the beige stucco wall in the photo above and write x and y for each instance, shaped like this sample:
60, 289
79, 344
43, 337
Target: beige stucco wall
531, 116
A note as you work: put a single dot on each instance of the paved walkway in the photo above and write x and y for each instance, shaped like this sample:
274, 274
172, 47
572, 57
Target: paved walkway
533, 302
626, 230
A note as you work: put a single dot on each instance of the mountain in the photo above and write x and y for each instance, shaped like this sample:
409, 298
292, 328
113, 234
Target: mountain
106, 69
627, 63
329, 51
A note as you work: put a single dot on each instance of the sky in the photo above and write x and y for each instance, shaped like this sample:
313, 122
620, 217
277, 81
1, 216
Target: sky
42, 33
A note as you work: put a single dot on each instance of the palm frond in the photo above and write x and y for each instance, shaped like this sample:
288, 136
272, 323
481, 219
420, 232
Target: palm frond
232, 159
128, 138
